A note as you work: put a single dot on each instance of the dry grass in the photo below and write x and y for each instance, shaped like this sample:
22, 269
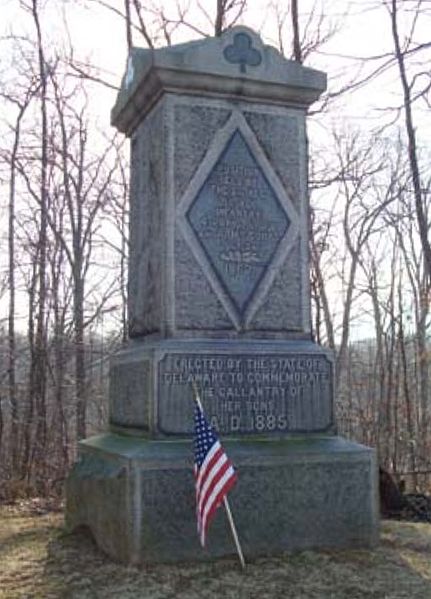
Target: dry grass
38, 560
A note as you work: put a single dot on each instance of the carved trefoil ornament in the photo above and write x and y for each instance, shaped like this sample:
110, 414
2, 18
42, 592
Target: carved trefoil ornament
238, 220
241, 52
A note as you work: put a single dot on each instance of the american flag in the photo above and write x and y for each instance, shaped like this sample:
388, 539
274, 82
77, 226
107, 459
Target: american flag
214, 473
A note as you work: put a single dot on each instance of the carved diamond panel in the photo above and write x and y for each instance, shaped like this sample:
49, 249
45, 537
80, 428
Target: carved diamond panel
238, 220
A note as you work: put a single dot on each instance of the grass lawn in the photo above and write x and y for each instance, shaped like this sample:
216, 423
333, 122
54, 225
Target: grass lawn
39, 560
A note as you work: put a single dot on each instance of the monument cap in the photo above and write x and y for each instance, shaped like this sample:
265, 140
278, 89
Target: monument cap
236, 64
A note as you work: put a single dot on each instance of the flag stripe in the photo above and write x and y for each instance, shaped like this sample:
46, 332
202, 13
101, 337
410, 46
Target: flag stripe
213, 471
216, 499
214, 475
207, 496
210, 489
205, 464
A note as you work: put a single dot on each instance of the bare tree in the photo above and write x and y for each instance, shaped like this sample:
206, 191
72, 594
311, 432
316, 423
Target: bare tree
22, 106
225, 9
84, 191
39, 365
409, 96
306, 32
128, 20
297, 50
351, 178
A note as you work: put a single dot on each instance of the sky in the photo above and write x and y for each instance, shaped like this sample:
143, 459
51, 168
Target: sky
98, 36
98, 33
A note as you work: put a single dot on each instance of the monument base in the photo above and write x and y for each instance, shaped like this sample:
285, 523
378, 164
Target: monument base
137, 497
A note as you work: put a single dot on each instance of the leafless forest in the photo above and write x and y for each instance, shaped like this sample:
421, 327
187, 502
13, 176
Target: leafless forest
64, 220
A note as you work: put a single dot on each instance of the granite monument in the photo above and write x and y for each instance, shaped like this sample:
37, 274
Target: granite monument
219, 296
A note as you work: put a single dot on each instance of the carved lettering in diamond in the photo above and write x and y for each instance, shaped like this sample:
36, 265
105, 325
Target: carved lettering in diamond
238, 220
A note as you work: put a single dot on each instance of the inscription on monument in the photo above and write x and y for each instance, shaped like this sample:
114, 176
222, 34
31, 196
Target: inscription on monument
268, 393
238, 220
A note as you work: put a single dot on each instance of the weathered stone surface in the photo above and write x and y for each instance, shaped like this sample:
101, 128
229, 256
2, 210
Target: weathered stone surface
302, 493
191, 269
247, 387
203, 67
130, 393
247, 393
238, 220
233, 274
219, 296
147, 215
98, 496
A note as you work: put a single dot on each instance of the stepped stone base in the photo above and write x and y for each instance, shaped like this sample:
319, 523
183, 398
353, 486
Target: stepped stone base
137, 497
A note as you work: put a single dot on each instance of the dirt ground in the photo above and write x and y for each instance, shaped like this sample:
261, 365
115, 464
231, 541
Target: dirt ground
38, 559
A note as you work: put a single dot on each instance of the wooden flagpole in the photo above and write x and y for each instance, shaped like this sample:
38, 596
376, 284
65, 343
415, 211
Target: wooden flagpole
234, 533
225, 500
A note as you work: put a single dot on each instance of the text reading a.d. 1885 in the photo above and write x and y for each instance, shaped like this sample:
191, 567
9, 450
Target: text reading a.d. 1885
238, 220
247, 393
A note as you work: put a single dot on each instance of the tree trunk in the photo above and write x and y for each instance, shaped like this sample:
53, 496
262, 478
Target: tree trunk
407, 397
28, 418
297, 50
411, 136
218, 25
128, 24
40, 338
11, 317
78, 308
